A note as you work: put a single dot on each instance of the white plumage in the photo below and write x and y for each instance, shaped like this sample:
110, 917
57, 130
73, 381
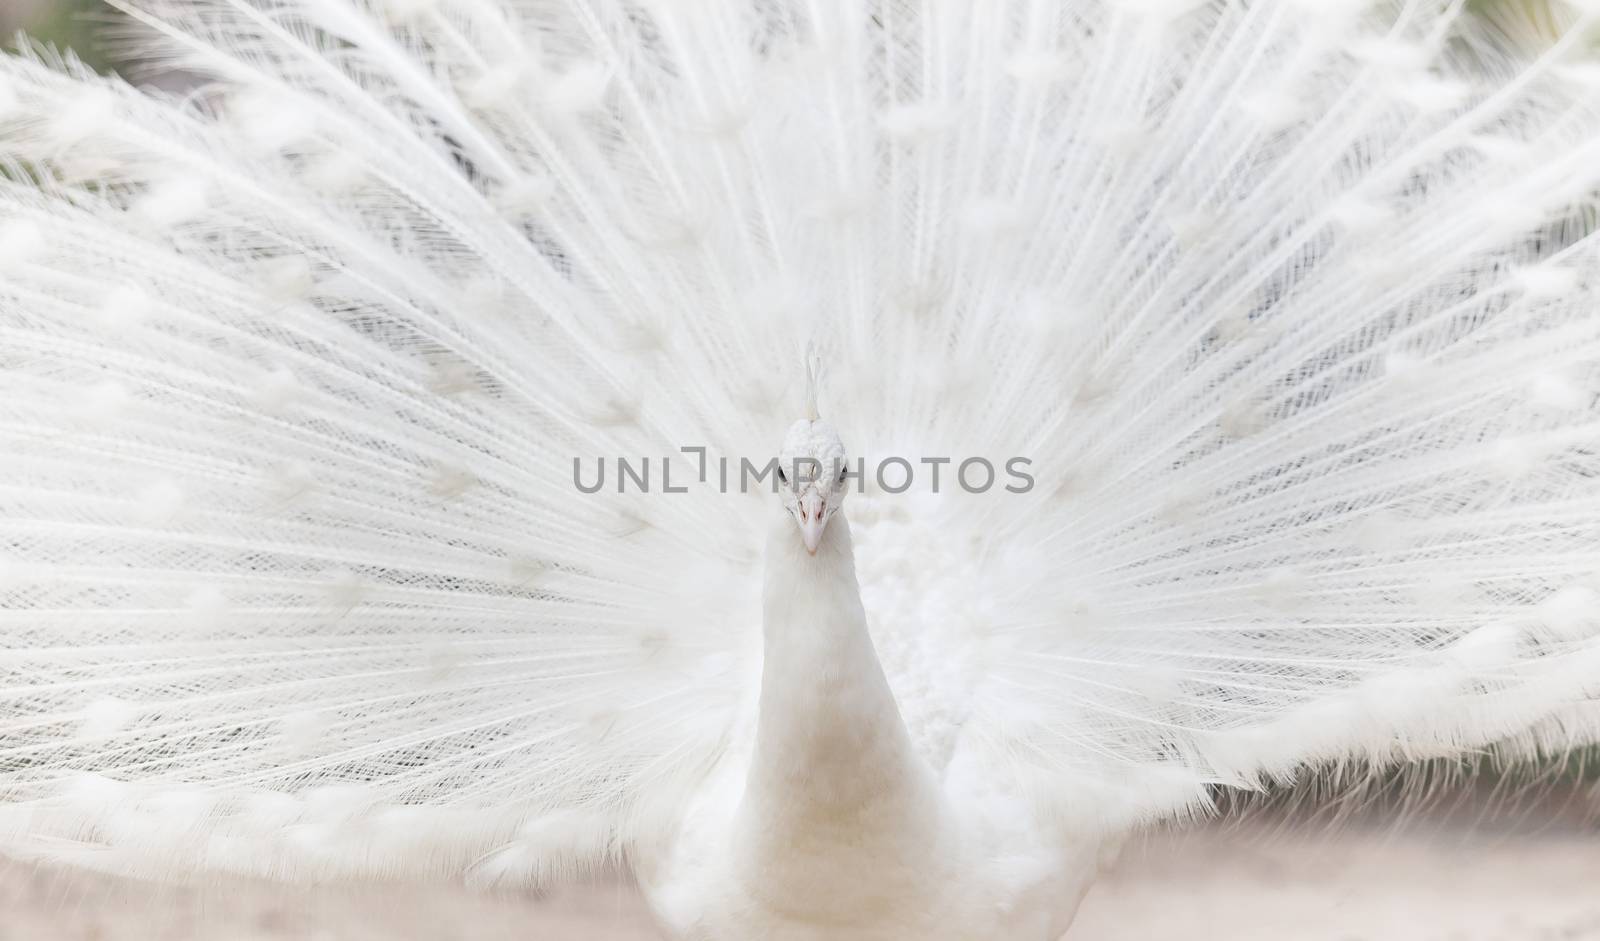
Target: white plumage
1289, 306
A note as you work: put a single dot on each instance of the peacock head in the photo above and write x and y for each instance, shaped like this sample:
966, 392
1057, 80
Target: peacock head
811, 477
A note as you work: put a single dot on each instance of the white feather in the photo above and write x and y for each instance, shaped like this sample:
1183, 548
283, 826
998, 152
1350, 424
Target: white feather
1291, 306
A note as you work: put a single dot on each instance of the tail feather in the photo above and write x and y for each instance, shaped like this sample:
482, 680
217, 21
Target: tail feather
1289, 306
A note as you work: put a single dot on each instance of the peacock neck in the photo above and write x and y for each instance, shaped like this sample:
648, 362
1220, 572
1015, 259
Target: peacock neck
831, 750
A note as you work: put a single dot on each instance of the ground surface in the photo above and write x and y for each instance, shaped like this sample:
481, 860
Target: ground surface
1364, 885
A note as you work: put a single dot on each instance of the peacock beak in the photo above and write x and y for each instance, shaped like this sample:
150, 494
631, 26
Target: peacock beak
813, 519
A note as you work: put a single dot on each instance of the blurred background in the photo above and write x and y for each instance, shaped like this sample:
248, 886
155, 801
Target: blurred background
1435, 852
67, 23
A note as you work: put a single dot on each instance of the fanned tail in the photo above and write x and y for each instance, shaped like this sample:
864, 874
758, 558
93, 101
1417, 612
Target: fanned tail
1290, 306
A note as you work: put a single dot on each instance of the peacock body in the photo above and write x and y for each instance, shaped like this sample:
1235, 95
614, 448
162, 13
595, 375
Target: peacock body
1274, 325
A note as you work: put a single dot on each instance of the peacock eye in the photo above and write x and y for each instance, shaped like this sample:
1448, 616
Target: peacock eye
782, 476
